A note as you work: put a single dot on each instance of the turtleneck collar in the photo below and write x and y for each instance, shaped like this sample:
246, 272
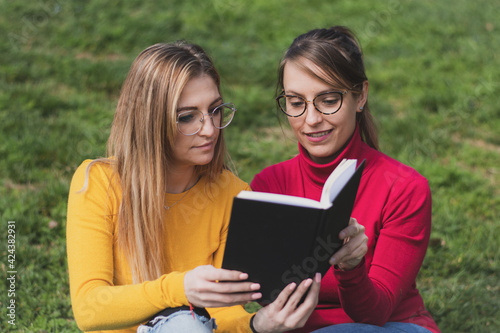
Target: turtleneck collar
318, 173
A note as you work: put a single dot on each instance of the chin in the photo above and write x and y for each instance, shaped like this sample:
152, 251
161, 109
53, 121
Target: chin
325, 156
205, 161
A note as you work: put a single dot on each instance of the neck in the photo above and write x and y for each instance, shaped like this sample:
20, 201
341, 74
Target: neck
179, 181
319, 172
329, 159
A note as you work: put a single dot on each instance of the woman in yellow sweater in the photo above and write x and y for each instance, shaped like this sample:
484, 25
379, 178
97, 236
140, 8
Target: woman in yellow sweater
147, 226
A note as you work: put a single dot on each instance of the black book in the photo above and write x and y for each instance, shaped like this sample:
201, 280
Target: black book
278, 239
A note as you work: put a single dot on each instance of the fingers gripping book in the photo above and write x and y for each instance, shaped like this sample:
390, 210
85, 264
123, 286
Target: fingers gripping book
278, 239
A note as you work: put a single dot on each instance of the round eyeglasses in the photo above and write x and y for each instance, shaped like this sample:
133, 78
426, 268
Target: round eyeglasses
190, 122
326, 103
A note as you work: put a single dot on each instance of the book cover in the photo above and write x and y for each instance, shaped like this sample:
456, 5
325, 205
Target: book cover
279, 239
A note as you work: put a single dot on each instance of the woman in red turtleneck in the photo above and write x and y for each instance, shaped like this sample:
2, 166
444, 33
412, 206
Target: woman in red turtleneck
371, 285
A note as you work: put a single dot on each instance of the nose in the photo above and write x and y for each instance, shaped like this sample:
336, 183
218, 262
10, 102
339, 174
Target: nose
313, 116
207, 126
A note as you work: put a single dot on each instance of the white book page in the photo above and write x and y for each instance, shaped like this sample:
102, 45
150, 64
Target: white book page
333, 185
281, 199
337, 180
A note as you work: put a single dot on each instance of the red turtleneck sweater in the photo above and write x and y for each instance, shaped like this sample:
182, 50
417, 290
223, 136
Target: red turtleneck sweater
394, 205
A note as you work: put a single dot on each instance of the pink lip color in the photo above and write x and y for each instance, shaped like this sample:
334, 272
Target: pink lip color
206, 146
319, 138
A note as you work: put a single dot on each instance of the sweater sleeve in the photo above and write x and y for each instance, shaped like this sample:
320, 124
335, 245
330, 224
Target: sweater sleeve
234, 319
97, 303
370, 295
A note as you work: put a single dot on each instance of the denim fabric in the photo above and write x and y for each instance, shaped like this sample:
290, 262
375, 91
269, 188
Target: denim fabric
392, 327
180, 322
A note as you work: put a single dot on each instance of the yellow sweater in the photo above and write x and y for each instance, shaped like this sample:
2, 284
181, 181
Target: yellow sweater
102, 294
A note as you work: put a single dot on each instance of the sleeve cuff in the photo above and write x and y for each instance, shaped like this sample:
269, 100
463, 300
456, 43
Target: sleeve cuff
167, 291
351, 276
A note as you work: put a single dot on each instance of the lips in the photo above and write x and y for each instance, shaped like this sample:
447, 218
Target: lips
318, 134
206, 145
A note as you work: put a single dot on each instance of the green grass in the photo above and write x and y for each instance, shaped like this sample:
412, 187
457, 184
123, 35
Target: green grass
434, 70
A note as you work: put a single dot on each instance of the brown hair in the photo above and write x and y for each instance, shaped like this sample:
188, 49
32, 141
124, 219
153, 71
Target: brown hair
339, 60
140, 147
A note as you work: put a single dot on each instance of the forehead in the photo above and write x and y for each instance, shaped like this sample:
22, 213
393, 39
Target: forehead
199, 91
303, 74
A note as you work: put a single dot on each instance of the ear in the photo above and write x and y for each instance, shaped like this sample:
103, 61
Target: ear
363, 97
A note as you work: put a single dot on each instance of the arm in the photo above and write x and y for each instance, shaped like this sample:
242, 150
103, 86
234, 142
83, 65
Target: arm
235, 318
97, 302
371, 295
282, 315
95, 265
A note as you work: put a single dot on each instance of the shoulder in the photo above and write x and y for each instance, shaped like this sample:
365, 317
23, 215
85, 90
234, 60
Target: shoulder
93, 174
228, 182
273, 177
390, 173
93, 190
101, 165
399, 169
393, 191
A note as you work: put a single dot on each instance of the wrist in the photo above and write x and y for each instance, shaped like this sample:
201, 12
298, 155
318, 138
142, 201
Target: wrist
251, 325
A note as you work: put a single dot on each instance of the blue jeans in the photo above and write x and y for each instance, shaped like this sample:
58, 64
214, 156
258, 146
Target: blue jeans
391, 327
180, 322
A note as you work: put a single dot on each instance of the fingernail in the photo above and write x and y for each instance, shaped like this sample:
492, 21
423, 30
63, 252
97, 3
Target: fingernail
255, 286
317, 277
292, 285
308, 282
332, 261
256, 296
342, 235
243, 276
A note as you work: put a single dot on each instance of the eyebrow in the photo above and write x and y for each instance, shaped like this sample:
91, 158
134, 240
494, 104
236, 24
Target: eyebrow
294, 93
187, 108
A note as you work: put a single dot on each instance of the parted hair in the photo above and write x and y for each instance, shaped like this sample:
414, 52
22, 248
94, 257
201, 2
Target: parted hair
339, 62
140, 148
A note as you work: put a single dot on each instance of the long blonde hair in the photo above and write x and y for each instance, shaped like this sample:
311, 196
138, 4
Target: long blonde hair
140, 148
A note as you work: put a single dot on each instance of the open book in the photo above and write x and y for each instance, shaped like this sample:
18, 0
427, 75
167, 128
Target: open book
278, 239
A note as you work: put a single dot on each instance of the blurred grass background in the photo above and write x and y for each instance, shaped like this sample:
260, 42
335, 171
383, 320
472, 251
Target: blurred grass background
434, 70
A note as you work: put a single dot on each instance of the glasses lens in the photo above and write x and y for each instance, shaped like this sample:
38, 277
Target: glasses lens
328, 103
292, 105
223, 115
189, 122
